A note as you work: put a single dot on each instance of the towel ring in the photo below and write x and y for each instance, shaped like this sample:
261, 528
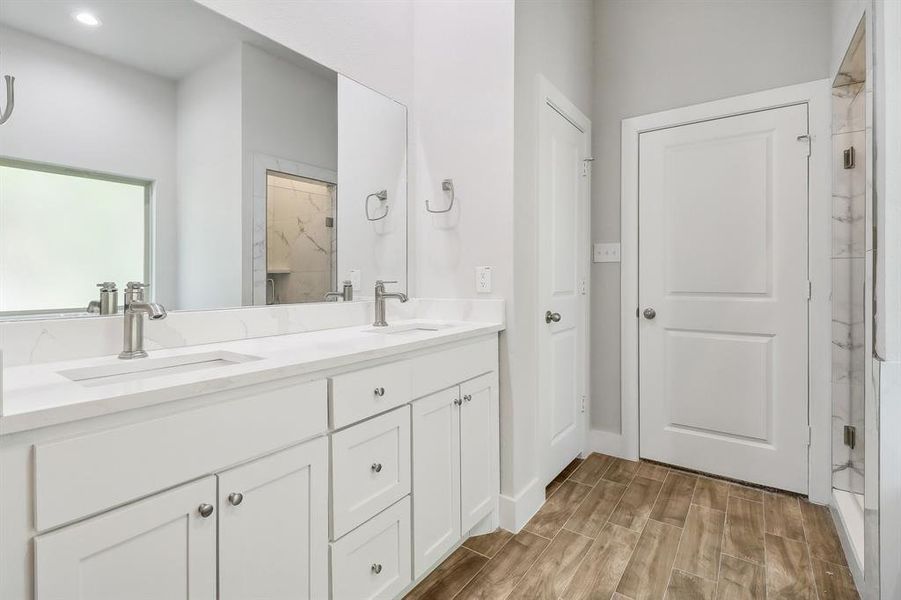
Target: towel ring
448, 186
382, 196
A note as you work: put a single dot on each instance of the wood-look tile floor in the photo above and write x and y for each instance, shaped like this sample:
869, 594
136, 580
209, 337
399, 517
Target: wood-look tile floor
618, 530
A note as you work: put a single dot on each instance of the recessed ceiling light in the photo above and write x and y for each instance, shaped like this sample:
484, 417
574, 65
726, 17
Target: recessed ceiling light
86, 18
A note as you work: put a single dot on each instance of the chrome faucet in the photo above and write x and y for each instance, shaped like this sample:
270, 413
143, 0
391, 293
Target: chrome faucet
346, 294
135, 309
380, 295
109, 300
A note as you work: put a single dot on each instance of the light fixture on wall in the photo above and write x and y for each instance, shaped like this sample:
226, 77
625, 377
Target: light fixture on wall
88, 19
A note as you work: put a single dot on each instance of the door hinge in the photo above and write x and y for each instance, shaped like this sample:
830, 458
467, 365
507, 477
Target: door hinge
583, 287
809, 436
809, 290
806, 140
583, 402
850, 436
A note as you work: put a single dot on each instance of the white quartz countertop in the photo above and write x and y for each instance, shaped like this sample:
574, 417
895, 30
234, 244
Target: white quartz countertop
39, 396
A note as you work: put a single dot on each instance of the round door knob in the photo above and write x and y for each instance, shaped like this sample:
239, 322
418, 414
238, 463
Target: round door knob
235, 498
649, 313
377, 467
205, 510
376, 568
379, 391
551, 317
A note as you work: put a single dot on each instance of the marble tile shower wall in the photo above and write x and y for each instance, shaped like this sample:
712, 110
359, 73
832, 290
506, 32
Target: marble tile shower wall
848, 281
301, 242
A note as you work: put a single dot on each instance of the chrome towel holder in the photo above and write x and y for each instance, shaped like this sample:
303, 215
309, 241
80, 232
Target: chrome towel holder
447, 186
382, 196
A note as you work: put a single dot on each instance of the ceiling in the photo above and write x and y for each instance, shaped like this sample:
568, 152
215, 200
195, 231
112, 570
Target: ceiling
169, 38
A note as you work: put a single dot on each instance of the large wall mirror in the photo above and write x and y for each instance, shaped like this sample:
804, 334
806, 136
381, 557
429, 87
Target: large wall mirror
161, 142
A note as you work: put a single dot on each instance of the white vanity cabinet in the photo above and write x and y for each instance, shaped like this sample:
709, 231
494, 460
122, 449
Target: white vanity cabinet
273, 526
161, 546
455, 466
348, 484
272, 539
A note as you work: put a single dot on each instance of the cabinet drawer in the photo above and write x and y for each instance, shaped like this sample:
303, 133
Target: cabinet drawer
373, 561
370, 468
361, 394
84, 475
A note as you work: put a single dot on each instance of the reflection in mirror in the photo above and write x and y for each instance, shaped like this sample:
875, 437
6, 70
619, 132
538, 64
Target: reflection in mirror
170, 145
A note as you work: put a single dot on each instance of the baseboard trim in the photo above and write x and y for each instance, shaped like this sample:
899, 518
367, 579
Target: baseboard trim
607, 442
515, 511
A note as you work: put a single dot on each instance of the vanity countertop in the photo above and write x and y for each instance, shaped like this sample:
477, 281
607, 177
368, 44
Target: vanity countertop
39, 395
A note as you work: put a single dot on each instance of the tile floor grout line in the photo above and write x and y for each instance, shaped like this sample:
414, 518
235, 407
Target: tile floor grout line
532, 565
482, 568
681, 531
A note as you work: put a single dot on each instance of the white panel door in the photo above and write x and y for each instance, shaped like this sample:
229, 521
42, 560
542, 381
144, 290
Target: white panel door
436, 477
478, 449
273, 526
723, 264
563, 215
160, 548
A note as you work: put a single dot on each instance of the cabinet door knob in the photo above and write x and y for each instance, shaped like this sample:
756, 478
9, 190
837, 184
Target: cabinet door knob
205, 510
379, 391
377, 467
235, 498
376, 568
468, 398
458, 401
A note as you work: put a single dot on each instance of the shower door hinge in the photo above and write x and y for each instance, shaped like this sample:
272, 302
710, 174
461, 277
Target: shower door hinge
583, 402
809, 436
586, 166
809, 290
806, 140
850, 436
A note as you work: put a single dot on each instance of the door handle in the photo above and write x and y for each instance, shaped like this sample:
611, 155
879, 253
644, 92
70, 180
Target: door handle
649, 313
552, 317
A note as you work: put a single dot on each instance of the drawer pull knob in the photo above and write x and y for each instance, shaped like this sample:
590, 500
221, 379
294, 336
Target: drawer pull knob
379, 391
377, 467
376, 568
458, 401
205, 510
468, 398
235, 498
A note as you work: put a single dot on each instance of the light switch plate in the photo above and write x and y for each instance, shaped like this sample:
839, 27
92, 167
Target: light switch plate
355, 278
483, 280
606, 252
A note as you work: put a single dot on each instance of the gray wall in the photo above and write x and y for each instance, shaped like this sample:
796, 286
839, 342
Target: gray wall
656, 55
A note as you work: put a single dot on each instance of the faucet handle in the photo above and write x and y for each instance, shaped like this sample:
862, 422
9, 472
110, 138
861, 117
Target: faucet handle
381, 281
107, 286
136, 285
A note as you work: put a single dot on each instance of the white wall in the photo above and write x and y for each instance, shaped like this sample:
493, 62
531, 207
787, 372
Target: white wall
370, 42
553, 38
651, 56
77, 110
209, 185
372, 156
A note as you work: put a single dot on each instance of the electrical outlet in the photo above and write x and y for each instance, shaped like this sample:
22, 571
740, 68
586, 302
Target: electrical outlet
355, 278
483, 280
606, 253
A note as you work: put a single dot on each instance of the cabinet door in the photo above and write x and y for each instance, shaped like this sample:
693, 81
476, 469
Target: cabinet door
158, 548
436, 477
273, 538
478, 449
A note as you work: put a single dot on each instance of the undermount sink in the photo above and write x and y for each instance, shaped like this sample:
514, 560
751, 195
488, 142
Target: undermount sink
410, 327
154, 367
